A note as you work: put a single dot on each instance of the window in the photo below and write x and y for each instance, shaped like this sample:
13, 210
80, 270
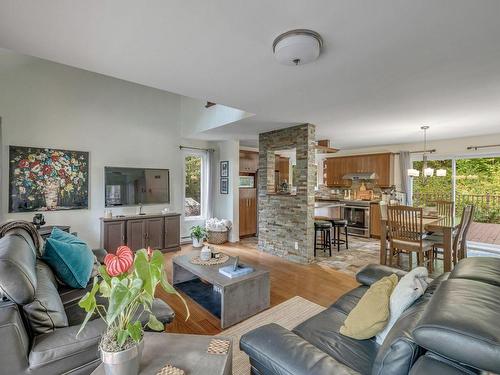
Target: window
194, 185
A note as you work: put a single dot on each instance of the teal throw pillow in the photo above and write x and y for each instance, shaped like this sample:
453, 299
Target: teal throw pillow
70, 258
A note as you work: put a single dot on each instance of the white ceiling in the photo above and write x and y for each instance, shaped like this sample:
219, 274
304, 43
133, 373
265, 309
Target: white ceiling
388, 66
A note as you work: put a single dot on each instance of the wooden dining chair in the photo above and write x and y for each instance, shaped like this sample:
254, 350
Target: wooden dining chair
405, 236
459, 248
444, 208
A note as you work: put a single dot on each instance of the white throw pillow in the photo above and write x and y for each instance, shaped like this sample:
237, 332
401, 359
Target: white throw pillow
409, 289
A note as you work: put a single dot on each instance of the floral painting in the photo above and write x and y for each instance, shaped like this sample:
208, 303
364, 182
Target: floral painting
44, 179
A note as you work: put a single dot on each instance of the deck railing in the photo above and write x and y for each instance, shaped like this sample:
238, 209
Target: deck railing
487, 206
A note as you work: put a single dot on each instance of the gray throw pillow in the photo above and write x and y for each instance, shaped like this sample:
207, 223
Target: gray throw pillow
46, 312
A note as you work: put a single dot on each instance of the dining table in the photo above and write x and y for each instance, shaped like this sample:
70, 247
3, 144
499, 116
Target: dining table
444, 225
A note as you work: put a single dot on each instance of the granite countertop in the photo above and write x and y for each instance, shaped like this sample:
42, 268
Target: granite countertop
136, 216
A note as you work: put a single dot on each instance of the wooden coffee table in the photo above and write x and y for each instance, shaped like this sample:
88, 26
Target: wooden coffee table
187, 352
231, 300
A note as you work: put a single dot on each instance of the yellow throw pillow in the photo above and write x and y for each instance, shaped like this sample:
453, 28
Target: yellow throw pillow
371, 314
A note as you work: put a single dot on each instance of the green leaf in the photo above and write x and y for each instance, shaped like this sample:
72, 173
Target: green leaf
155, 324
104, 274
89, 304
105, 289
135, 331
121, 337
143, 271
170, 289
121, 296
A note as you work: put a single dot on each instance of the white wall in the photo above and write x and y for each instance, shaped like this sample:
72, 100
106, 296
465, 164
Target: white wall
226, 206
44, 104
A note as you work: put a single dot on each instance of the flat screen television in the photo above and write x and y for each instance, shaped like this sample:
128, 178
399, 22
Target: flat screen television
133, 186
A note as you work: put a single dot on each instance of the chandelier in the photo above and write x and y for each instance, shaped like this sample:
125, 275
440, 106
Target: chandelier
426, 170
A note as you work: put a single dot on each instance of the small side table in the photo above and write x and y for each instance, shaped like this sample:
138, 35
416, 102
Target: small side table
187, 352
46, 230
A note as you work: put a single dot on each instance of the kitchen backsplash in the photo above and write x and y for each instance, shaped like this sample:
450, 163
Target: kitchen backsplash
325, 192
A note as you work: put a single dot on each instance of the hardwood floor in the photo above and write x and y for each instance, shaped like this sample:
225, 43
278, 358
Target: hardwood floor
319, 285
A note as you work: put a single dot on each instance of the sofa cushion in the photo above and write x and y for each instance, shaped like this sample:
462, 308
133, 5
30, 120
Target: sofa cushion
461, 323
409, 289
72, 262
323, 331
431, 364
46, 312
485, 269
371, 313
374, 272
399, 350
349, 300
17, 269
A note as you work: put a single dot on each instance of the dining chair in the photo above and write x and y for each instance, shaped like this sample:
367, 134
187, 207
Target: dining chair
405, 235
459, 247
444, 208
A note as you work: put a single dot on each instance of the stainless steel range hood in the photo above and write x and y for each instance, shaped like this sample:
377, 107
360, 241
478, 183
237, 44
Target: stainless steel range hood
360, 176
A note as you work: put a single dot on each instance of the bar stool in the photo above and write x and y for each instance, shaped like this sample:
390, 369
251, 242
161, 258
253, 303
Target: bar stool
324, 229
338, 224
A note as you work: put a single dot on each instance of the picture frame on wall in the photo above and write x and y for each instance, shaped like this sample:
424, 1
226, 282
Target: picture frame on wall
224, 185
47, 179
224, 168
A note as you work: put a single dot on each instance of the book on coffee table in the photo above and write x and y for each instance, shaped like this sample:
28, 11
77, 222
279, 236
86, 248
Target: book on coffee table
232, 272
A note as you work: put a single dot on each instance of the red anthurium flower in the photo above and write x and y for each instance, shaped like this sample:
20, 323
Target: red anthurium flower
150, 252
120, 262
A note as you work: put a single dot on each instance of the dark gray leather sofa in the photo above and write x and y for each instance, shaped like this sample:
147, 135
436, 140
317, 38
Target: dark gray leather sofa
454, 328
23, 278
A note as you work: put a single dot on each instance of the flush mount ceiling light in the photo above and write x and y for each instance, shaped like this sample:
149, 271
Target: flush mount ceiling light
297, 47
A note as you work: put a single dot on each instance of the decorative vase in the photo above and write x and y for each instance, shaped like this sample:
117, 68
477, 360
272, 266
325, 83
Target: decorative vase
126, 362
197, 242
51, 194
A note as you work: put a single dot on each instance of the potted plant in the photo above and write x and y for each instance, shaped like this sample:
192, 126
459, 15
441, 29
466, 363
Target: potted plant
198, 234
129, 282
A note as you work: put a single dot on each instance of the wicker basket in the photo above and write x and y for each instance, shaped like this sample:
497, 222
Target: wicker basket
217, 238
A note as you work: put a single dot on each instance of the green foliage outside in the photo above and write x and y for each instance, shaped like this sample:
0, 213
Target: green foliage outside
477, 182
193, 177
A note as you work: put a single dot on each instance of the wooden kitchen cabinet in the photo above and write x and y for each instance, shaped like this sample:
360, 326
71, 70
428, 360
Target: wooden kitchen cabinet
113, 235
138, 232
375, 218
248, 211
249, 161
337, 167
172, 233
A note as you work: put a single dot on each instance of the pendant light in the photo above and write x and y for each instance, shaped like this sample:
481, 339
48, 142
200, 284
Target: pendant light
426, 170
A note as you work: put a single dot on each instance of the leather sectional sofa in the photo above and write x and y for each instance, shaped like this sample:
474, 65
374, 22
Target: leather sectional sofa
22, 279
454, 328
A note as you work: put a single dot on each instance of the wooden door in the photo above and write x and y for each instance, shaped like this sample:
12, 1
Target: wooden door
112, 235
155, 232
172, 232
384, 169
249, 161
136, 234
248, 211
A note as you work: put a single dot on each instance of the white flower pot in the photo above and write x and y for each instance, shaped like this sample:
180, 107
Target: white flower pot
197, 242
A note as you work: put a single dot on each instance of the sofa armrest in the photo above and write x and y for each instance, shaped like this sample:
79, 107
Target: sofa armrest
274, 350
14, 346
374, 272
64, 349
100, 254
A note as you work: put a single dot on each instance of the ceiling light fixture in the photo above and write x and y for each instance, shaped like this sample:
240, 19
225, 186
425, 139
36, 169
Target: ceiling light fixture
297, 47
426, 170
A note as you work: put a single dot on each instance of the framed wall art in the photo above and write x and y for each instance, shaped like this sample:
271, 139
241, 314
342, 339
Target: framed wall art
224, 168
46, 179
224, 185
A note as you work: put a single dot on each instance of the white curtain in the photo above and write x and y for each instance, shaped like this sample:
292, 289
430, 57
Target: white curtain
211, 189
404, 165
